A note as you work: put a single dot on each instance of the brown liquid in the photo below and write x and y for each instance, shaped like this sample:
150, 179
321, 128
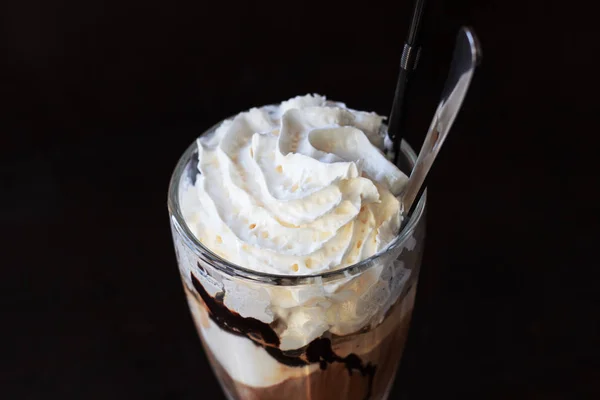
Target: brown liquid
342, 374
332, 383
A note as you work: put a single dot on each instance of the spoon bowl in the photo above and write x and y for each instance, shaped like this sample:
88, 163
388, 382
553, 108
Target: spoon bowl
466, 57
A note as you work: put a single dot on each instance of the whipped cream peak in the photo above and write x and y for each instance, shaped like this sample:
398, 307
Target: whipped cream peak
298, 188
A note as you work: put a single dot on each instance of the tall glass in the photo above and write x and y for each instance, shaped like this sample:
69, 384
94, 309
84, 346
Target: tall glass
333, 335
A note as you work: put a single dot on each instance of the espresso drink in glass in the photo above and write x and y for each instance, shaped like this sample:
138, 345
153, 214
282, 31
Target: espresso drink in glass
286, 223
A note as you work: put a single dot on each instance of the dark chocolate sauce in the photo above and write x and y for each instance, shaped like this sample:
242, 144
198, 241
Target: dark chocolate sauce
317, 351
233, 322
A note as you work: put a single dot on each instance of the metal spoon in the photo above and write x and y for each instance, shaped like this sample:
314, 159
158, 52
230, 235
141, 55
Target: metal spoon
467, 55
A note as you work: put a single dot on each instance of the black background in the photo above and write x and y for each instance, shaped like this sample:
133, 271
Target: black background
101, 98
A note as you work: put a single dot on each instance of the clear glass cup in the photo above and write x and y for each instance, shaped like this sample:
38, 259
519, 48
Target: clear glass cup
349, 325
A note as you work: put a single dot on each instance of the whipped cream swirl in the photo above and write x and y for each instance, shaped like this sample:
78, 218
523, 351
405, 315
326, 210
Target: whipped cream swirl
299, 188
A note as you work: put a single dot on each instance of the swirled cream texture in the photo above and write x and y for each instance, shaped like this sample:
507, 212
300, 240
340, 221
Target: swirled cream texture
299, 188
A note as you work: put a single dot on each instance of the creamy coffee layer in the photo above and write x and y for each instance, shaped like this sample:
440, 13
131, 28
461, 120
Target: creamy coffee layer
332, 382
246, 349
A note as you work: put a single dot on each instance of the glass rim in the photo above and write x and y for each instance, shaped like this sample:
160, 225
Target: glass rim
229, 268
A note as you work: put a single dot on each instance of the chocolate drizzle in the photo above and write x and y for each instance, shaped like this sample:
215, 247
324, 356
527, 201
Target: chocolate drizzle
318, 351
233, 322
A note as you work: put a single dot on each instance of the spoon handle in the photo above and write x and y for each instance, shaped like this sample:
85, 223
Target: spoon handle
467, 55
